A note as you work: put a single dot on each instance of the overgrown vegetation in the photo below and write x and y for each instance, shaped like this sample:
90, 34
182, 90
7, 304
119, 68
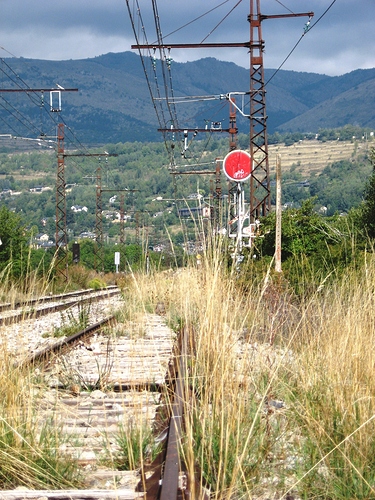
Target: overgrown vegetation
150, 204
280, 380
368, 211
281, 385
137, 446
71, 323
30, 453
280, 377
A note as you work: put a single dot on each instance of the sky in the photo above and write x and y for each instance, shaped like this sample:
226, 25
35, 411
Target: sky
342, 40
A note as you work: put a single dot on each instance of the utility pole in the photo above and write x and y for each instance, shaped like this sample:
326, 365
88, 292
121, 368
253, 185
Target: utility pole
260, 193
122, 219
216, 190
99, 248
137, 224
278, 216
259, 180
61, 229
61, 239
232, 222
232, 130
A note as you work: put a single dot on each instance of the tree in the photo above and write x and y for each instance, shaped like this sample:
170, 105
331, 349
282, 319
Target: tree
314, 249
301, 231
368, 212
14, 240
87, 249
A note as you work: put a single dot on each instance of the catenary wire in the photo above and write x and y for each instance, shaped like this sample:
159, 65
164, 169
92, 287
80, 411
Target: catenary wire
18, 116
287, 8
16, 77
9, 125
168, 87
222, 20
37, 101
298, 42
72, 140
195, 19
158, 109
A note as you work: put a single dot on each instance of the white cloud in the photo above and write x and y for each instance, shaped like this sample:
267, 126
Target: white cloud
72, 44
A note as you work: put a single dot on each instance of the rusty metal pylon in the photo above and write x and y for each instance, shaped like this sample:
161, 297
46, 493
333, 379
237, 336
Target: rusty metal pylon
61, 239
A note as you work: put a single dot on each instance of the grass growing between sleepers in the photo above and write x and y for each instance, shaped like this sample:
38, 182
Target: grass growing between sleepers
30, 453
281, 387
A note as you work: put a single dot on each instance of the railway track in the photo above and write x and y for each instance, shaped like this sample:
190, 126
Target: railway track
27, 329
37, 307
50, 298
102, 382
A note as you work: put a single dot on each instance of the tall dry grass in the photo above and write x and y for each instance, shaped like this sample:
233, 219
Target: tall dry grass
227, 438
30, 445
282, 390
30, 285
332, 391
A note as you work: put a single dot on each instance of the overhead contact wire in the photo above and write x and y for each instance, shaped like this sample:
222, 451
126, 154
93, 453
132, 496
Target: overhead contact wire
159, 114
17, 114
222, 20
298, 42
168, 89
196, 19
36, 101
285, 7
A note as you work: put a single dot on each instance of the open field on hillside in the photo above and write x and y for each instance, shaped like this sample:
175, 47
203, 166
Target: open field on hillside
313, 156
18, 175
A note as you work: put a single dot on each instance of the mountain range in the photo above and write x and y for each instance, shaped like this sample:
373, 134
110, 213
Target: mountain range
113, 103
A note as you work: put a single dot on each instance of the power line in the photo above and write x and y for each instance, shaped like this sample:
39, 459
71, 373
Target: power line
39, 102
222, 20
8, 125
17, 77
131, 16
168, 88
164, 58
195, 19
285, 7
18, 116
319, 18
307, 29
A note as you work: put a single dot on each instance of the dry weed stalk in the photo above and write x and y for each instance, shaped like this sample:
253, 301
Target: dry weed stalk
315, 356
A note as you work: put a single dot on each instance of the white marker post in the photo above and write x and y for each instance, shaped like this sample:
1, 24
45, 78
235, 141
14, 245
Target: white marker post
278, 216
117, 260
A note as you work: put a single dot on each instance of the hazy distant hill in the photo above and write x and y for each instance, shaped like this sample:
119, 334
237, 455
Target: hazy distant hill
355, 106
114, 105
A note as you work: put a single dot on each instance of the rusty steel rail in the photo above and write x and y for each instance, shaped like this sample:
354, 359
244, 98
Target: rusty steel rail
44, 354
170, 480
169, 487
37, 313
50, 298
